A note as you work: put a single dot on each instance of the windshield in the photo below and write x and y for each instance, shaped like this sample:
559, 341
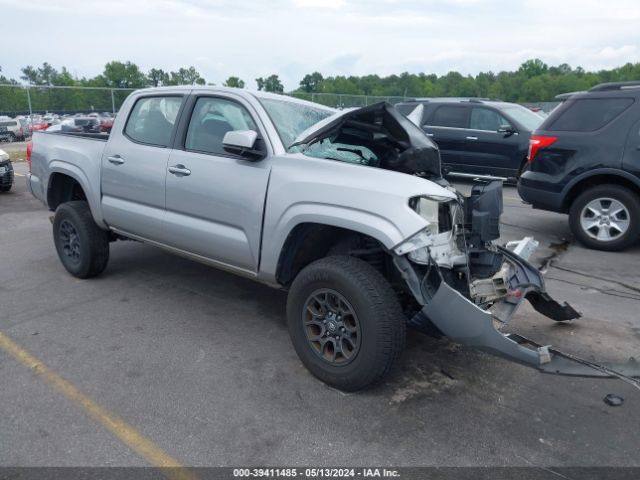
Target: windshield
524, 116
291, 118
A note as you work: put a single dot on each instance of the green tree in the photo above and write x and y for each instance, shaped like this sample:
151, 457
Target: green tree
158, 77
186, 76
533, 68
234, 82
122, 75
312, 82
270, 84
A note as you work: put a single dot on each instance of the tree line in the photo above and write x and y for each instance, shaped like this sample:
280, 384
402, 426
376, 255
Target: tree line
533, 81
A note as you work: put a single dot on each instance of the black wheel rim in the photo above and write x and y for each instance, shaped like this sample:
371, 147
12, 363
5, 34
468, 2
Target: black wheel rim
69, 241
331, 327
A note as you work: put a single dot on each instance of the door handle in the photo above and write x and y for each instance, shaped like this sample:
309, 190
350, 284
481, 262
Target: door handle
472, 138
429, 134
179, 170
116, 160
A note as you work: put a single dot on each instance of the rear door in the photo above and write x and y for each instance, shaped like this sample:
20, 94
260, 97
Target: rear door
134, 167
631, 159
447, 126
215, 199
487, 150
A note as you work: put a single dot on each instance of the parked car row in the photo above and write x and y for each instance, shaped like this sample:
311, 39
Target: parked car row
6, 172
14, 129
476, 136
21, 127
582, 159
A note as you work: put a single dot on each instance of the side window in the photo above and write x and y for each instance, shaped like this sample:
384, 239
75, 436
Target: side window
152, 120
213, 117
588, 114
449, 116
486, 119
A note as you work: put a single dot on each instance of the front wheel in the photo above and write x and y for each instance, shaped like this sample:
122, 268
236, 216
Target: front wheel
82, 246
606, 217
345, 322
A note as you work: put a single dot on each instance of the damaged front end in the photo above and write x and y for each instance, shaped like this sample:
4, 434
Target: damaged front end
465, 286
468, 288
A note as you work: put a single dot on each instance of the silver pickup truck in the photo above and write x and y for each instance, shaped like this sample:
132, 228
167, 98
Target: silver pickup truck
347, 210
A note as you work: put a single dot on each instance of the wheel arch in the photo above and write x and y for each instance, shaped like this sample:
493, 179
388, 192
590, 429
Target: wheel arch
67, 182
310, 241
596, 178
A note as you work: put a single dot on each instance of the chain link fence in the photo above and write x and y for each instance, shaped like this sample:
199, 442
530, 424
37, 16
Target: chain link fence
342, 100
37, 102
16, 100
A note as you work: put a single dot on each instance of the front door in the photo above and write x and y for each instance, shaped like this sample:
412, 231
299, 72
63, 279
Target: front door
488, 151
134, 167
215, 199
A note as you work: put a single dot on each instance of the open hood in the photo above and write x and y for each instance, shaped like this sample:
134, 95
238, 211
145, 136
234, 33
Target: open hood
398, 143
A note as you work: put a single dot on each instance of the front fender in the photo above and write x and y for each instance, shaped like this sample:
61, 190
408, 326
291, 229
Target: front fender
367, 223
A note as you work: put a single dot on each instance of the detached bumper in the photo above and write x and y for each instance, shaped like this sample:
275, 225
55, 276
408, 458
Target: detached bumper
463, 322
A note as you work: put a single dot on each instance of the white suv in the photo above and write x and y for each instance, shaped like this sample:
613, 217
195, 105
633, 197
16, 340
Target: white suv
13, 130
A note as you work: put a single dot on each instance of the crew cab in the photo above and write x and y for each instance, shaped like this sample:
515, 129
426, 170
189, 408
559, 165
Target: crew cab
347, 210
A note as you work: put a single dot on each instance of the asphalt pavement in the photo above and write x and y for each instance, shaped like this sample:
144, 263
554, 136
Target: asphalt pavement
198, 363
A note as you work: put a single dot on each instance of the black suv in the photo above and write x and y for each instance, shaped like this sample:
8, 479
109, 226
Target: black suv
476, 136
584, 160
6, 172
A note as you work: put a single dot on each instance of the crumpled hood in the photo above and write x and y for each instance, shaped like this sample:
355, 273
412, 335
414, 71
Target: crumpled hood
381, 122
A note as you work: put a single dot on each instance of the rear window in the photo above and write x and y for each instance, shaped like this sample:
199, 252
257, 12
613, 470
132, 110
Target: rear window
449, 116
588, 114
152, 120
8, 124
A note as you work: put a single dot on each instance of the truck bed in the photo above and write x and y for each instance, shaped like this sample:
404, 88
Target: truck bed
93, 136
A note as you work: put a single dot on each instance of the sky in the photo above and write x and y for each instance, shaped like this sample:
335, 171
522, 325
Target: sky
251, 38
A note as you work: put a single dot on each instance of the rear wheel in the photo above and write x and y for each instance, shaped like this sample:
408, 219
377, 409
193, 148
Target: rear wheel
345, 322
82, 246
606, 217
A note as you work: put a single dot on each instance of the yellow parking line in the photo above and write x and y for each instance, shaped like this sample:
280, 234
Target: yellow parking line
19, 174
137, 442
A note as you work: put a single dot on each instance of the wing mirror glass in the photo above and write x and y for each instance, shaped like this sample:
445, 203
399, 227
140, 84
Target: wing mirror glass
244, 143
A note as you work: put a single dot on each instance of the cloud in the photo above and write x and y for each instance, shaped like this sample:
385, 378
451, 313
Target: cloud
254, 38
327, 4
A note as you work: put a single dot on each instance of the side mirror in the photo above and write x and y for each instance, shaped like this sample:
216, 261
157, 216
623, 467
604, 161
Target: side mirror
243, 143
507, 129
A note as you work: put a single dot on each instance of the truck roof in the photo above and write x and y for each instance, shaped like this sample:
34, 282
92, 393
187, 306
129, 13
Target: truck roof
237, 91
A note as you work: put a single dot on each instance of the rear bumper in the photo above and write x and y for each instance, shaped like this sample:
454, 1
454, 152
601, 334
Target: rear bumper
540, 193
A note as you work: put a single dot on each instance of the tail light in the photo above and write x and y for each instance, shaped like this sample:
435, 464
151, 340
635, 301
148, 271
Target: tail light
29, 152
537, 142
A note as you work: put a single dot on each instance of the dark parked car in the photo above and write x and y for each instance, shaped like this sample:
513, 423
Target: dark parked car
476, 136
6, 172
584, 160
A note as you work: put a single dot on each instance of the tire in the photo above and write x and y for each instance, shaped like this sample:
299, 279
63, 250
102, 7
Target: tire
379, 334
5, 188
12, 137
609, 232
82, 246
